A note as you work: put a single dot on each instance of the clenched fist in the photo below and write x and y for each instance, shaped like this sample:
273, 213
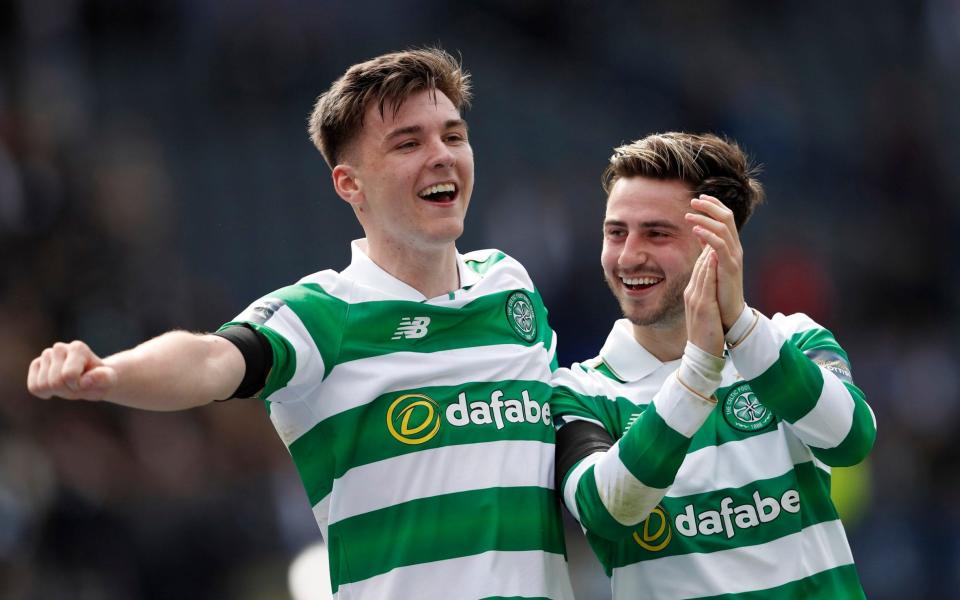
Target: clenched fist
71, 371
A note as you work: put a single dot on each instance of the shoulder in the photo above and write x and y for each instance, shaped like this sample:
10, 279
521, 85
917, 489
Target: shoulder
805, 333
493, 264
794, 323
315, 294
585, 377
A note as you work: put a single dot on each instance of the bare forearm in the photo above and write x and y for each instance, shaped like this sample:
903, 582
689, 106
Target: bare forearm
174, 371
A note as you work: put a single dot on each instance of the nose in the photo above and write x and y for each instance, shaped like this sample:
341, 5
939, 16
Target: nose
634, 252
442, 156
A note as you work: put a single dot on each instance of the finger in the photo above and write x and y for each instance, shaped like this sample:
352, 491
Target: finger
96, 382
32, 374
710, 276
78, 356
701, 275
54, 374
42, 382
710, 223
713, 207
695, 273
714, 241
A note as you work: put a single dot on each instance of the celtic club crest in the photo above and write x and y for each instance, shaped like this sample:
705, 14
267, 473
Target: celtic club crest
521, 316
743, 410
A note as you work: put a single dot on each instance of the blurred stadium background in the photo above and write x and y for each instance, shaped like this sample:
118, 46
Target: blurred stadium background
155, 173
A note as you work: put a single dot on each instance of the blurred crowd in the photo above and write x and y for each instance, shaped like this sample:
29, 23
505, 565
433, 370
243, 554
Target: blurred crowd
155, 173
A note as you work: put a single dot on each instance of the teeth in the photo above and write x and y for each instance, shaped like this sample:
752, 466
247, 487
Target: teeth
438, 188
640, 280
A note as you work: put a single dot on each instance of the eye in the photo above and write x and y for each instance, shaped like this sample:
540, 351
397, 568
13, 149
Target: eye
615, 233
456, 137
408, 145
657, 234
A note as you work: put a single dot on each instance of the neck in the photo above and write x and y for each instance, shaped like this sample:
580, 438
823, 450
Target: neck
432, 272
664, 341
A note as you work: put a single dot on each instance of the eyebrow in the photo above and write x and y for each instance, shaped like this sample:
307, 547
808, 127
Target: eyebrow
643, 225
413, 129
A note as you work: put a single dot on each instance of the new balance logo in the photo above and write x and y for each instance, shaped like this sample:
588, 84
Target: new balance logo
411, 328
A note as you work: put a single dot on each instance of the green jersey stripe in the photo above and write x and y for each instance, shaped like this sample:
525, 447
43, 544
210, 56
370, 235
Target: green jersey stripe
654, 451
790, 386
371, 330
723, 519
355, 384
840, 583
415, 420
466, 523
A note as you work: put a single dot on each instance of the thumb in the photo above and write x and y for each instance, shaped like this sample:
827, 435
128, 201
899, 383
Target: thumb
98, 381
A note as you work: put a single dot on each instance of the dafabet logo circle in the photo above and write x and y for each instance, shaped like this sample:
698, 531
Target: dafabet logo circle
656, 540
413, 419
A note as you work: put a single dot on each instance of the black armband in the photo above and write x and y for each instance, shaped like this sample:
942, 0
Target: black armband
257, 354
577, 440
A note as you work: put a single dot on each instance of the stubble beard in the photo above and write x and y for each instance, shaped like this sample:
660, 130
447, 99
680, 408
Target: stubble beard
667, 312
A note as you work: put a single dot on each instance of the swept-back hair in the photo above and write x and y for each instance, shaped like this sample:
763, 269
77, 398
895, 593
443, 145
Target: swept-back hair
707, 163
385, 81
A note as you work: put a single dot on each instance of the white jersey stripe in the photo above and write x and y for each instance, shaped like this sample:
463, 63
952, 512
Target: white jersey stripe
321, 512
361, 489
570, 489
720, 467
831, 418
309, 371
759, 351
352, 384
738, 570
682, 410
626, 498
524, 574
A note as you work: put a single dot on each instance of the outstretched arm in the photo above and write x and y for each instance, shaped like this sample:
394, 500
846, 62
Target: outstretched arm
174, 371
612, 487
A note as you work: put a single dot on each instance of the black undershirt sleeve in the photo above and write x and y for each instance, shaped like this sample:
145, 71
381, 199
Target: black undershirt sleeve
577, 440
257, 354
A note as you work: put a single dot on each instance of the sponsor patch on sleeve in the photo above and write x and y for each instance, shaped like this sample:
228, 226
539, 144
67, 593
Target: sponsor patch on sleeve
832, 362
260, 311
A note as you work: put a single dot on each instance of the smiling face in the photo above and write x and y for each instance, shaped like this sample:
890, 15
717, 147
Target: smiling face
649, 249
409, 174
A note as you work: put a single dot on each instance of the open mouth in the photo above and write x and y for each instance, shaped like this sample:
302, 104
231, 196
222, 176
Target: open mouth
439, 193
640, 283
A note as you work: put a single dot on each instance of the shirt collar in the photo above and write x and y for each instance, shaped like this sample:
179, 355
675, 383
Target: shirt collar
628, 360
366, 272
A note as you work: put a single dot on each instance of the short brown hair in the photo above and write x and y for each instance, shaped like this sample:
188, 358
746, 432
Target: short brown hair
387, 80
709, 164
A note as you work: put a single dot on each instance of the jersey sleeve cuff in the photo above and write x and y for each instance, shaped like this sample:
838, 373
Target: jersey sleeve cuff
682, 408
742, 327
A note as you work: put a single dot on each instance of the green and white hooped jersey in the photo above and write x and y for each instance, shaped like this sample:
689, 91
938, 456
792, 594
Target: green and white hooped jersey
421, 429
749, 513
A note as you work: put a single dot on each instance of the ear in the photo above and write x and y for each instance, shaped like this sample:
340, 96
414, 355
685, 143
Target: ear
347, 184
